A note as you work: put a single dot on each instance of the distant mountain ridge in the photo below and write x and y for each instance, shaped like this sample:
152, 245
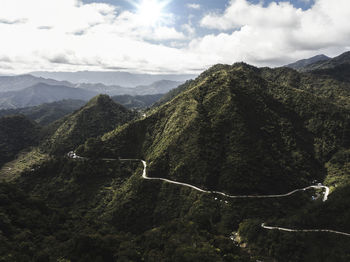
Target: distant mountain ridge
46, 113
343, 59
124, 79
42, 93
27, 90
158, 87
45, 93
305, 62
18, 82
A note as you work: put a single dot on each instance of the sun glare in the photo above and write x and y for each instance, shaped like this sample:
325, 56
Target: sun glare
151, 11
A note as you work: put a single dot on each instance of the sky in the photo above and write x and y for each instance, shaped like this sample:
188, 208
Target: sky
167, 36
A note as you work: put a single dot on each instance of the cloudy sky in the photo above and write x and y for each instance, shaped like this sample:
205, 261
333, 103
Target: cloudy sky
170, 36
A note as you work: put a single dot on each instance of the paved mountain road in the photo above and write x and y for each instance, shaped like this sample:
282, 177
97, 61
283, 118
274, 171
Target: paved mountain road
319, 186
304, 230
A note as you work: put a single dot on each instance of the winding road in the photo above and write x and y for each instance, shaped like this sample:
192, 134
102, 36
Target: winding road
304, 230
144, 175
263, 225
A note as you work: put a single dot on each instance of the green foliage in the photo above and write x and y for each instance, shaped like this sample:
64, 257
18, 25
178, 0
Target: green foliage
16, 133
98, 116
205, 135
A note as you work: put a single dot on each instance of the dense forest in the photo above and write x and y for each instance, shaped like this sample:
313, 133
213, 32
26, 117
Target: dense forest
236, 129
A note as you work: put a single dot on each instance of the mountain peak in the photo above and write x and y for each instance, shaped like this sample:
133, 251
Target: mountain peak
100, 115
100, 99
104, 103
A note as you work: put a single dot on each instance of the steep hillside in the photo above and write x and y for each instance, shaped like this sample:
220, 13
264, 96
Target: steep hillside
326, 86
46, 113
41, 93
98, 116
232, 130
235, 131
16, 133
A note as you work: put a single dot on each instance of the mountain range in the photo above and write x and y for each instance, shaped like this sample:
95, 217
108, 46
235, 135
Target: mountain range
112, 78
235, 129
42, 93
15, 83
158, 87
47, 91
46, 113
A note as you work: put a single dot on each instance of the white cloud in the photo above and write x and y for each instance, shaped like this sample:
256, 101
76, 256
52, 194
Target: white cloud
241, 12
166, 33
194, 6
70, 35
277, 33
189, 28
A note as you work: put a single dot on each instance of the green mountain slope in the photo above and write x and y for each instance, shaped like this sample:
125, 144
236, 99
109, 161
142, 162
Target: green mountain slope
325, 86
16, 133
98, 116
234, 131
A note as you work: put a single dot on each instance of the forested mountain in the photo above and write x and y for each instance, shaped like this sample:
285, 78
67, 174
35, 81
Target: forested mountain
212, 126
48, 113
97, 117
236, 129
